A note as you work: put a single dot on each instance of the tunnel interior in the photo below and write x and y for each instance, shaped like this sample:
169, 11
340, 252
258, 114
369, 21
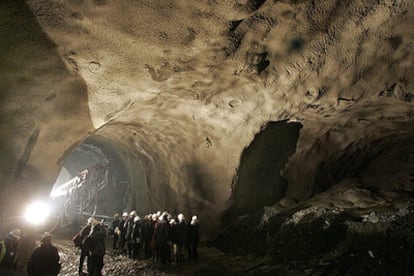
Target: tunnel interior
94, 181
286, 126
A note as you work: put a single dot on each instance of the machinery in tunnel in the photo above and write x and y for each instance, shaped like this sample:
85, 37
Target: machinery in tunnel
89, 184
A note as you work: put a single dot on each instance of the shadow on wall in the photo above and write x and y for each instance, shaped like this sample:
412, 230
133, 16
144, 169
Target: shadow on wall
259, 181
43, 108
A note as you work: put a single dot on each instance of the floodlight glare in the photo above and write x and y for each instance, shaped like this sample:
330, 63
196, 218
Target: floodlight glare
37, 212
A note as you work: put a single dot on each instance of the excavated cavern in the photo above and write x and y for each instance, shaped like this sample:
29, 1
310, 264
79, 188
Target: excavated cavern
286, 126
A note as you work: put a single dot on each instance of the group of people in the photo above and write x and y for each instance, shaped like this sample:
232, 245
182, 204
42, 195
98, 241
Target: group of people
20, 256
91, 241
159, 236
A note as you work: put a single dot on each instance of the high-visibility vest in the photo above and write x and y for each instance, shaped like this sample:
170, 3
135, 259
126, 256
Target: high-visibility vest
2, 250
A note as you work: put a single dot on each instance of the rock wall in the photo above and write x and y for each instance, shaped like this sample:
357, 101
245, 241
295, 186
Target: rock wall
181, 88
44, 108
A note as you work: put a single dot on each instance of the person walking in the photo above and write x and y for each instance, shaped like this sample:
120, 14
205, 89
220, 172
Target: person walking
98, 251
193, 238
129, 226
181, 237
115, 231
161, 239
27, 244
147, 227
8, 253
84, 247
45, 260
122, 234
172, 241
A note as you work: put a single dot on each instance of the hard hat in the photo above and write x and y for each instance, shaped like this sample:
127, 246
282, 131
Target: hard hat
137, 218
16, 233
46, 235
95, 222
180, 217
133, 213
124, 214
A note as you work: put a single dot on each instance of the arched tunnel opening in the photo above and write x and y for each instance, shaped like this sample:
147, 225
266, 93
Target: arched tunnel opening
126, 167
94, 181
286, 127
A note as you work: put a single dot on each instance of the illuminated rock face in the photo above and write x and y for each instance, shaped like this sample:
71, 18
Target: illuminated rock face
179, 89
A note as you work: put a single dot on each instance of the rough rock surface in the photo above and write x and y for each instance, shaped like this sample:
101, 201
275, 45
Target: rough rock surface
178, 89
322, 241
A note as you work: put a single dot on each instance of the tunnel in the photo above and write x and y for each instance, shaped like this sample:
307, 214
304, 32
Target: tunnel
285, 127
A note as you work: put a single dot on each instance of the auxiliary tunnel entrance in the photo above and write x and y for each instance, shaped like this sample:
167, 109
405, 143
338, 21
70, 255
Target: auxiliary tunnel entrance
93, 181
259, 180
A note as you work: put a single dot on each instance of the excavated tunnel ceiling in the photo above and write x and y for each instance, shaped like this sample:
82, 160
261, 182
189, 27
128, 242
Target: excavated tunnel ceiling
178, 89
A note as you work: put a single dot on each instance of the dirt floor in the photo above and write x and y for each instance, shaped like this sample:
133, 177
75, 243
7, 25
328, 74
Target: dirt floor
115, 264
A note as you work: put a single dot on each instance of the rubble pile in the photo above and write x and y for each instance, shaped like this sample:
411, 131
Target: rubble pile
316, 240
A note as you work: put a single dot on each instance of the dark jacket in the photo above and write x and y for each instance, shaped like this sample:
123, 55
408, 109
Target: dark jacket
116, 223
129, 228
161, 232
9, 260
136, 232
193, 234
147, 230
181, 233
44, 261
98, 235
84, 233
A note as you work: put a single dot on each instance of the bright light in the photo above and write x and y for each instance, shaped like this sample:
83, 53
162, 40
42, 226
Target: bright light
37, 212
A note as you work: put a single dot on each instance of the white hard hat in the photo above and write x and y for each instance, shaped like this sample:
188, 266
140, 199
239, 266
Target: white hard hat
180, 217
137, 218
124, 214
133, 213
194, 220
16, 233
95, 223
46, 235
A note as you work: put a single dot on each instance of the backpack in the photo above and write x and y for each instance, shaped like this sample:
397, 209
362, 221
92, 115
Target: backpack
77, 240
88, 243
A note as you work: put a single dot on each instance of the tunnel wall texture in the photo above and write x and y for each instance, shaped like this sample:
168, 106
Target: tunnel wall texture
164, 167
195, 80
44, 109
